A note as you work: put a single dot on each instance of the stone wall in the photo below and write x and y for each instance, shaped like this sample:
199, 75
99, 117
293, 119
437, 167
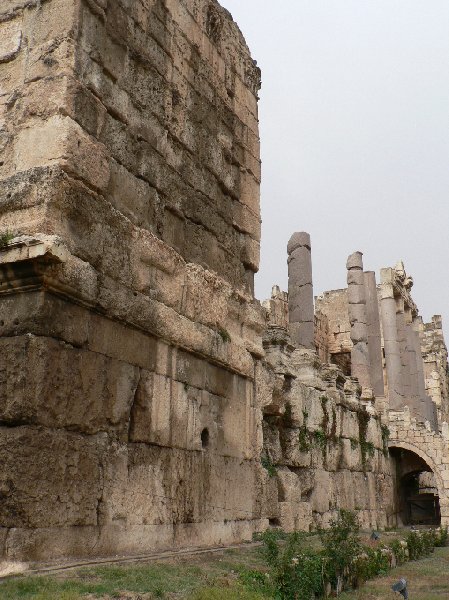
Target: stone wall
130, 337
436, 371
145, 111
324, 448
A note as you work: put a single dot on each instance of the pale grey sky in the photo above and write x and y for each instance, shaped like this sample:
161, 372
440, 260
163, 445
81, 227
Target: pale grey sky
354, 120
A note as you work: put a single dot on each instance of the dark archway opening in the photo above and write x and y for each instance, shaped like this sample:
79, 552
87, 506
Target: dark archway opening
421, 504
417, 500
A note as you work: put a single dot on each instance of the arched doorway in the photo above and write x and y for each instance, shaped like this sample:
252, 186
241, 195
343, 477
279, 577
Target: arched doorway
417, 499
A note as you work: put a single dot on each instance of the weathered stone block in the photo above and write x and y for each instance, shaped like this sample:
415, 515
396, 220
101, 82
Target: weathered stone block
10, 39
53, 478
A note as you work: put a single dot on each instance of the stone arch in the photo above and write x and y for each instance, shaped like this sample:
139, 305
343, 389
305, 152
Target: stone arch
443, 488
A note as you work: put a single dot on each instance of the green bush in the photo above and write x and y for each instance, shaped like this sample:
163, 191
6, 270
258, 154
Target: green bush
300, 573
341, 544
441, 536
420, 543
296, 572
371, 563
400, 551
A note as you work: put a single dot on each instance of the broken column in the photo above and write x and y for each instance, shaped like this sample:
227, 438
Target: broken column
300, 291
360, 362
374, 336
391, 342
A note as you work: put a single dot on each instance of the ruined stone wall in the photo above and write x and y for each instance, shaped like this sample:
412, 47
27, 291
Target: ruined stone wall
324, 448
436, 371
130, 339
424, 391
333, 306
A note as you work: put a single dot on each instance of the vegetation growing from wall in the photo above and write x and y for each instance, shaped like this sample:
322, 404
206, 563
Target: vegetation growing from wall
385, 439
5, 238
268, 465
366, 448
304, 434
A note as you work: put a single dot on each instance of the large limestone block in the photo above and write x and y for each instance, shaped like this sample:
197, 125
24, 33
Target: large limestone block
58, 542
295, 516
61, 141
52, 479
361, 491
333, 457
292, 452
288, 485
320, 499
350, 424
54, 19
350, 454
49, 383
343, 487
123, 343
10, 39
150, 485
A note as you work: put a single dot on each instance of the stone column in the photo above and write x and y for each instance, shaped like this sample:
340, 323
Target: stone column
419, 361
300, 291
402, 338
360, 363
413, 367
374, 337
391, 343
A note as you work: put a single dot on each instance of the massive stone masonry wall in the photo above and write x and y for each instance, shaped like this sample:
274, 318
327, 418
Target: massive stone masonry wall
147, 110
129, 411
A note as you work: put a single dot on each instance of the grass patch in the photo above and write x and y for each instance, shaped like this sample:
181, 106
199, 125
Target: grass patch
159, 580
235, 574
205, 576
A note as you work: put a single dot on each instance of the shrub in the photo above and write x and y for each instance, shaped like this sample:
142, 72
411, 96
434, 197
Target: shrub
300, 573
320, 440
341, 543
371, 563
400, 551
441, 536
296, 572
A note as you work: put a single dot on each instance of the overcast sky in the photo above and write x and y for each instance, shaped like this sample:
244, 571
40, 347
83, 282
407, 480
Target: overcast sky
354, 121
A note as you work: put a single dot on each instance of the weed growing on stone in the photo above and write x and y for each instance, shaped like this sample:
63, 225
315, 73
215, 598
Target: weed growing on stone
385, 438
5, 238
268, 464
224, 334
320, 440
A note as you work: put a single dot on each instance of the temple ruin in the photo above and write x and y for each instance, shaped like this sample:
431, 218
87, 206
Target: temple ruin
147, 399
